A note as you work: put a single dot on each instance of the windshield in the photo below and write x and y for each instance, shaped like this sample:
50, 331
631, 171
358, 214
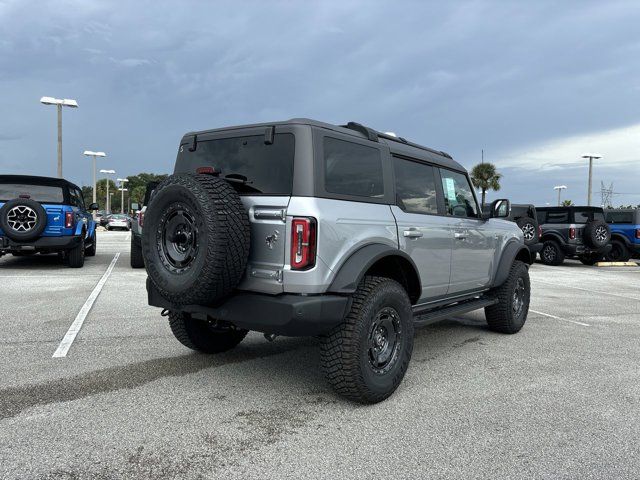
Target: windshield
39, 193
250, 165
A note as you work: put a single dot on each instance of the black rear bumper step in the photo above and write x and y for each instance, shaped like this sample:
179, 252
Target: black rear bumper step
424, 316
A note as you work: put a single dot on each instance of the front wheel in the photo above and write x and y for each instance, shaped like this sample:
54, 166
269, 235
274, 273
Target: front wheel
509, 314
365, 358
204, 336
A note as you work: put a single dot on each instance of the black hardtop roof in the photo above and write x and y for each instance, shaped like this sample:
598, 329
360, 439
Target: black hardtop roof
397, 145
621, 209
35, 180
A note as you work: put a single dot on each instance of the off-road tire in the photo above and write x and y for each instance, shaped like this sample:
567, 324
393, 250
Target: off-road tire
136, 259
75, 256
529, 229
596, 233
90, 251
218, 250
503, 316
618, 253
32, 233
558, 255
345, 351
199, 335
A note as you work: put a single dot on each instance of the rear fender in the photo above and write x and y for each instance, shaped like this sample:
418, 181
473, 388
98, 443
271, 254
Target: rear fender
552, 236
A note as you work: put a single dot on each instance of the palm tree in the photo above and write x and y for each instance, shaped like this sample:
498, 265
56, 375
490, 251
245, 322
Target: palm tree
567, 203
485, 177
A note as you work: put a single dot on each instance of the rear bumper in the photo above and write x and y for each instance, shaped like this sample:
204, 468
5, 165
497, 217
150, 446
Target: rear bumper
285, 314
578, 250
42, 243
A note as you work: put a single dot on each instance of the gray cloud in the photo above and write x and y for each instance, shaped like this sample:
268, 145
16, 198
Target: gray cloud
458, 76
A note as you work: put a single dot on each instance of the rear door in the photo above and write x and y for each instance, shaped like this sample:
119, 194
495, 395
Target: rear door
474, 242
423, 233
262, 173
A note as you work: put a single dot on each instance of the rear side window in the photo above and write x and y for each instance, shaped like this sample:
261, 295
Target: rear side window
250, 165
39, 193
558, 217
352, 169
584, 216
415, 186
619, 217
458, 194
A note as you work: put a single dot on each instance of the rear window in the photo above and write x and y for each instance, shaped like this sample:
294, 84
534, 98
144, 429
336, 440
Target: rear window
39, 193
251, 166
584, 216
558, 217
352, 169
620, 217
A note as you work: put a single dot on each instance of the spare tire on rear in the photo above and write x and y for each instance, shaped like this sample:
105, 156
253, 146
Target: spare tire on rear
195, 240
529, 229
23, 219
596, 233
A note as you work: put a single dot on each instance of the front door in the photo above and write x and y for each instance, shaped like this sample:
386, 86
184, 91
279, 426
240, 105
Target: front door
473, 242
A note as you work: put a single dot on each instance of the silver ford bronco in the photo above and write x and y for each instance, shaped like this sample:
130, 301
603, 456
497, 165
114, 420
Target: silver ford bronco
340, 232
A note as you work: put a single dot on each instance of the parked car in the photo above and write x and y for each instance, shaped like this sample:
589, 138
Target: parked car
525, 216
118, 221
104, 219
573, 232
304, 228
45, 215
136, 258
625, 233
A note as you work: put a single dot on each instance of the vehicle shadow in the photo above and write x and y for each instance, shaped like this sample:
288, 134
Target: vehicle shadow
32, 262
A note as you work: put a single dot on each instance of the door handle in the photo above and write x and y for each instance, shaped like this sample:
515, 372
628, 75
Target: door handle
412, 233
459, 235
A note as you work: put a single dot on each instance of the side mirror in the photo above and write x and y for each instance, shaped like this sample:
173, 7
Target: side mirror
94, 206
500, 208
135, 207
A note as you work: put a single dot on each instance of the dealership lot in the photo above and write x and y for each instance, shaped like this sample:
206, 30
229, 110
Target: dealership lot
561, 399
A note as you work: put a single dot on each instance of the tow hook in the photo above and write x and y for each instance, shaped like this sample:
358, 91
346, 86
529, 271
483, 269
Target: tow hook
270, 336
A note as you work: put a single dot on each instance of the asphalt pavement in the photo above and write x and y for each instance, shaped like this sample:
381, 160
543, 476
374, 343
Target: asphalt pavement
561, 399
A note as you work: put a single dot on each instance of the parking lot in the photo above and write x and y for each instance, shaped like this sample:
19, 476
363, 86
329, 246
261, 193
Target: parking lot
560, 399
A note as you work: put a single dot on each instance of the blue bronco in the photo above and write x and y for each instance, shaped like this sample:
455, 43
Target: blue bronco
625, 233
45, 215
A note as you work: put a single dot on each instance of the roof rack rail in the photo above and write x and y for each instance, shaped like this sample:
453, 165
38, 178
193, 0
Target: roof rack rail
370, 133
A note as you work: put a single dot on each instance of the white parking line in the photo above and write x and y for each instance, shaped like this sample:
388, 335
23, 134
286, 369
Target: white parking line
75, 327
627, 297
559, 318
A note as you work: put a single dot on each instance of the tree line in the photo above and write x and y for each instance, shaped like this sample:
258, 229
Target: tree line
136, 187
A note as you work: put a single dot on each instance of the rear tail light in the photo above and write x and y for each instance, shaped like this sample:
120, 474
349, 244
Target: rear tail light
140, 218
539, 232
637, 232
572, 233
303, 243
69, 219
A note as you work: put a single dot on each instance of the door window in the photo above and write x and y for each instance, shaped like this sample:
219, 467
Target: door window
415, 187
459, 200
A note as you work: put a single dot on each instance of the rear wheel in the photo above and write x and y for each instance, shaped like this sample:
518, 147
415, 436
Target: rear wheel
619, 252
204, 336
137, 260
90, 251
365, 358
510, 313
551, 253
75, 256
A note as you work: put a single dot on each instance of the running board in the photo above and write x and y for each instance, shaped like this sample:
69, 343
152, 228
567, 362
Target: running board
424, 317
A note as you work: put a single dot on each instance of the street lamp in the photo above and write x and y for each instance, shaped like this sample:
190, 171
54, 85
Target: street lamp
108, 172
123, 190
122, 182
591, 157
89, 153
559, 188
59, 103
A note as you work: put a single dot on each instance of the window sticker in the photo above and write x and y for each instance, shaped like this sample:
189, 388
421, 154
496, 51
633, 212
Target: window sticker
450, 189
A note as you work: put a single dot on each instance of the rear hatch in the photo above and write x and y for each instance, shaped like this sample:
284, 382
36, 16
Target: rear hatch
260, 168
50, 197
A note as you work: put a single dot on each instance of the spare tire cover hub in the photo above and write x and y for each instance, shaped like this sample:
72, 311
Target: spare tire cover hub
22, 218
178, 238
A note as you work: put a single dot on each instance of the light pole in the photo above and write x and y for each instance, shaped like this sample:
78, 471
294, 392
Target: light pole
122, 189
108, 172
59, 103
591, 157
122, 182
89, 153
559, 188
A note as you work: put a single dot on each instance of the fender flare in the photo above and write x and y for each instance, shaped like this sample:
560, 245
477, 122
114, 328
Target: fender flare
353, 269
552, 236
621, 237
509, 254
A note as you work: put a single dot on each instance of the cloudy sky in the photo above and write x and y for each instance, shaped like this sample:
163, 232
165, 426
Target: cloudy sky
534, 84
